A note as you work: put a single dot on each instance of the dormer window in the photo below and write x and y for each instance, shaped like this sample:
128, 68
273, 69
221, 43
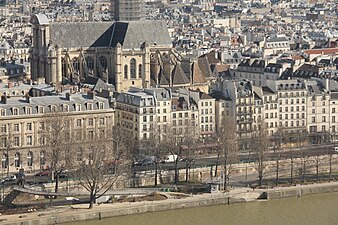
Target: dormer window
65, 108
15, 111
28, 110
52, 108
40, 109
89, 106
100, 105
77, 107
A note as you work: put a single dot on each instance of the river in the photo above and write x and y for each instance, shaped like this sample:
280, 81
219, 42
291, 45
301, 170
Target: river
308, 210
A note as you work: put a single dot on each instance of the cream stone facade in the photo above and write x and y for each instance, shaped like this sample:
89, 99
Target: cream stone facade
151, 113
23, 126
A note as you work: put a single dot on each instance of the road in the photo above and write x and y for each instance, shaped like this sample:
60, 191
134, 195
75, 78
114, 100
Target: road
204, 161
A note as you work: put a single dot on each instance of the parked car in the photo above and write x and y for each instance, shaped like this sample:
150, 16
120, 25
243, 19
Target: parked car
150, 160
10, 178
170, 159
43, 173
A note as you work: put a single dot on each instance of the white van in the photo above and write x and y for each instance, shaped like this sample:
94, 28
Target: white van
170, 159
335, 149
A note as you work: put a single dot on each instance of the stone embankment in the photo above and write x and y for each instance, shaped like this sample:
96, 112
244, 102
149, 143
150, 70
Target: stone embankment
61, 215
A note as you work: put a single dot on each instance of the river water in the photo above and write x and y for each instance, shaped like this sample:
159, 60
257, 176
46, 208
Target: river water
308, 210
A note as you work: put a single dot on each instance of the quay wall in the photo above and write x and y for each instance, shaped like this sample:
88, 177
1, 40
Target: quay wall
172, 204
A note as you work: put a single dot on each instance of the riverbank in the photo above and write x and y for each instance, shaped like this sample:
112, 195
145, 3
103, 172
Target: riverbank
65, 214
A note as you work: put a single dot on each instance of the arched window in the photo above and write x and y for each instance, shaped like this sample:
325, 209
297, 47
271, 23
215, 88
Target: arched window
4, 161
125, 72
103, 62
76, 64
133, 68
17, 160
140, 71
90, 63
30, 158
42, 158
64, 67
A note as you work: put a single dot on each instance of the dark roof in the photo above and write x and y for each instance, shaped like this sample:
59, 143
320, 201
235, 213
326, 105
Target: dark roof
131, 34
178, 76
267, 90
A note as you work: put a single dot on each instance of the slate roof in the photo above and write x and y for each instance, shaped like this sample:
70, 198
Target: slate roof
178, 76
197, 75
131, 34
47, 101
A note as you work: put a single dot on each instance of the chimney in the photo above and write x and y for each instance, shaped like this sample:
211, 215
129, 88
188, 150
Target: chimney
10, 84
28, 99
91, 94
4, 99
68, 96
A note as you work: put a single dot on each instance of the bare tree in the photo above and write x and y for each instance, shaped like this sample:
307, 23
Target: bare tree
106, 159
173, 141
57, 143
260, 143
6, 147
228, 147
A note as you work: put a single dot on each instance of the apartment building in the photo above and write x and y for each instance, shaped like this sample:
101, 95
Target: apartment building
150, 113
136, 114
237, 102
23, 126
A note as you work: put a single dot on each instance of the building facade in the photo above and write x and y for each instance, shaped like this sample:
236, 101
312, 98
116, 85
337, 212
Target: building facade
23, 126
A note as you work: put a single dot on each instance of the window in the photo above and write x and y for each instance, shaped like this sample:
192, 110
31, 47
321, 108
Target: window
100, 105
89, 106
29, 140
4, 161
42, 158
29, 126
16, 127
140, 71
103, 62
133, 68
3, 128
90, 63
313, 119
40, 109
102, 121
91, 134
15, 111
76, 64
79, 155
42, 125
164, 119
125, 71
323, 119
28, 110
79, 122
90, 122
17, 160
16, 141
3, 112
30, 158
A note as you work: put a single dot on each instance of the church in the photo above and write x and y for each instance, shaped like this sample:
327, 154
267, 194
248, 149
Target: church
126, 54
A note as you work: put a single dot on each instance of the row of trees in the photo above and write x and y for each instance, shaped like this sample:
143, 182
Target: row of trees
97, 159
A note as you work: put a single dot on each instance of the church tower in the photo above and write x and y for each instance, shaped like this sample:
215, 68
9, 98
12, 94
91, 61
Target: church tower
127, 10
